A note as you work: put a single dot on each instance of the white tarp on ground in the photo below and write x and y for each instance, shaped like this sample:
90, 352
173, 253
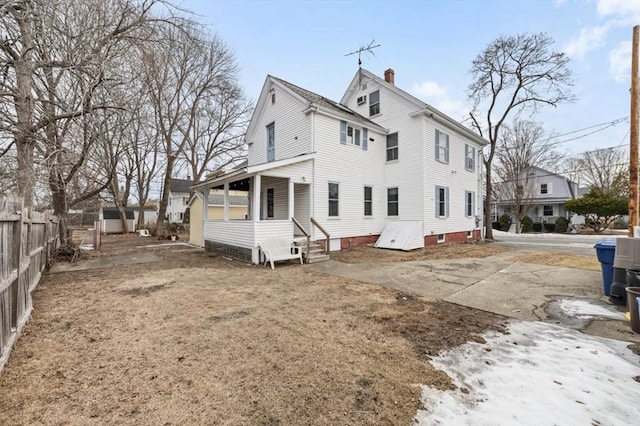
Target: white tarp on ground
401, 235
539, 374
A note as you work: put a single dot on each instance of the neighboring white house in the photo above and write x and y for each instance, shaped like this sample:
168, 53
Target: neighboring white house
179, 195
541, 192
379, 157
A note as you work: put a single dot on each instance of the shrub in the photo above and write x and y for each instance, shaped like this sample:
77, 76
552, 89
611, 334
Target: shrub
495, 225
549, 227
561, 224
537, 227
526, 224
505, 222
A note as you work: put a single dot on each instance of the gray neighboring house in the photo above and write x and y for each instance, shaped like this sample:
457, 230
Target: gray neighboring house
545, 195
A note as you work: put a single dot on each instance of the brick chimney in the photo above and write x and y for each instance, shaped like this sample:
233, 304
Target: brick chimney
389, 76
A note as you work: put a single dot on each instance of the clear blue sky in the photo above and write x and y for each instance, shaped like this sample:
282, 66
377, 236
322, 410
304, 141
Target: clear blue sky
430, 45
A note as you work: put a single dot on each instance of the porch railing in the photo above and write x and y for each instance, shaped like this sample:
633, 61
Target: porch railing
305, 233
326, 234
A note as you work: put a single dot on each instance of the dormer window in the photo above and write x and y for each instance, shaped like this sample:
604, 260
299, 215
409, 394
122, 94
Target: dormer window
544, 188
374, 103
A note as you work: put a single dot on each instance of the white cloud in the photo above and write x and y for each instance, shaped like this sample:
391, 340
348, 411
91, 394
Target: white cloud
588, 39
620, 62
560, 2
439, 96
627, 11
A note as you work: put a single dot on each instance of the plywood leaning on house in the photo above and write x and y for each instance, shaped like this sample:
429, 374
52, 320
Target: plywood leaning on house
402, 235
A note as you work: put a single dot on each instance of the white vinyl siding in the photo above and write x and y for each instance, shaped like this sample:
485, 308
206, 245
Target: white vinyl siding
280, 189
292, 133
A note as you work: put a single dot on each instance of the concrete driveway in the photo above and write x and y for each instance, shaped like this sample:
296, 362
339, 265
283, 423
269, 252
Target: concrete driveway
496, 284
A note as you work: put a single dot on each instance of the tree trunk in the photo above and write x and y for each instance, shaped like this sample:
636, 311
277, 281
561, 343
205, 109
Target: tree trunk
488, 222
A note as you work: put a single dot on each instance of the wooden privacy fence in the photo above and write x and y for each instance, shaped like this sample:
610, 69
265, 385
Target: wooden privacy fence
27, 244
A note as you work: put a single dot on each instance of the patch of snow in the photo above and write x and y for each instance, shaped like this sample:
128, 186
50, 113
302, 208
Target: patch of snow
539, 374
585, 309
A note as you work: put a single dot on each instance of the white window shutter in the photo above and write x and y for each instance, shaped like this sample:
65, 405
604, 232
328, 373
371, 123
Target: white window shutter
437, 145
365, 138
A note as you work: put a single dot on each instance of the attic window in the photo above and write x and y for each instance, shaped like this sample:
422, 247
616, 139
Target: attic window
273, 98
544, 189
374, 103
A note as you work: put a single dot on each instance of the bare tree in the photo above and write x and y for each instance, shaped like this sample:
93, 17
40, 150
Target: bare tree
216, 139
511, 74
605, 169
522, 146
184, 76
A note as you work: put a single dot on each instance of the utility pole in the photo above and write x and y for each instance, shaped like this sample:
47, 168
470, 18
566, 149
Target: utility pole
633, 135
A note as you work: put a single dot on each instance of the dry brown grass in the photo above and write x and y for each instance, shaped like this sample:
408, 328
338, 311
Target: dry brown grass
201, 340
560, 259
369, 254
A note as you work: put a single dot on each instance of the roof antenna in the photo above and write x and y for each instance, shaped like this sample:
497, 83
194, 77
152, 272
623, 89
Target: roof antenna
368, 48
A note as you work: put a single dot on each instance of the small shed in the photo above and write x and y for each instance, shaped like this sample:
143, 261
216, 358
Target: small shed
111, 223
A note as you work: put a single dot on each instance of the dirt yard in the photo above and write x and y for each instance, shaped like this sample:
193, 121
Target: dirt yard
195, 339
368, 254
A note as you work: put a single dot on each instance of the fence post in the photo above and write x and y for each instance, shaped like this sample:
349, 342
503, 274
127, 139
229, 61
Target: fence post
17, 261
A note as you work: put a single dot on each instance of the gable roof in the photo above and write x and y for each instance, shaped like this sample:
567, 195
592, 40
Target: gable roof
112, 213
311, 100
321, 101
422, 107
180, 185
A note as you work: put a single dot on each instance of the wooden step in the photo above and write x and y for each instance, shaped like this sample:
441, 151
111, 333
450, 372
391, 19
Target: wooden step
318, 258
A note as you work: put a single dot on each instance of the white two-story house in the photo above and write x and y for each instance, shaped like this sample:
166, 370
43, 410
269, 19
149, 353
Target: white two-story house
377, 160
179, 195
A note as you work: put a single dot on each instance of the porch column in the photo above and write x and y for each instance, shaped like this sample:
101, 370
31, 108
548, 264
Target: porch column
291, 202
205, 204
226, 201
255, 208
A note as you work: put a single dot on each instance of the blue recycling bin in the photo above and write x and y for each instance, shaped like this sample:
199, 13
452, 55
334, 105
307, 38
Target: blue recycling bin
606, 252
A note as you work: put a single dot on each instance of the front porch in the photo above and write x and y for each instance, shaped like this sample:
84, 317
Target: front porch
277, 193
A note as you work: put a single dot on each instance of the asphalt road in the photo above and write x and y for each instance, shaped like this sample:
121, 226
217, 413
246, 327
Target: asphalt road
575, 244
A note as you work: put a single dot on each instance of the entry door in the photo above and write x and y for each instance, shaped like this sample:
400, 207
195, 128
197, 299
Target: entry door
302, 206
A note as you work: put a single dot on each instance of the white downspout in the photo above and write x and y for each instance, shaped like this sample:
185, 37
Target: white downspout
480, 203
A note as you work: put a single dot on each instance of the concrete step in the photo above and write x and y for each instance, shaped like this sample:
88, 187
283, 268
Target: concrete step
318, 258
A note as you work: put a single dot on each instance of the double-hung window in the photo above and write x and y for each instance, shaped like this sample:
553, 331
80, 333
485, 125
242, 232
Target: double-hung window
368, 201
392, 147
442, 201
547, 210
353, 135
392, 201
271, 142
469, 203
544, 188
374, 103
469, 158
442, 147
334, 193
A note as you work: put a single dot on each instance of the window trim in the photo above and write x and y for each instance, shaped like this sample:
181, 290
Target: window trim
396, 202
394, 148
445, 148
546, 189
271, 140
368, 202
544, 207
444, 203
469, 203
330, 200
469, 158
372, 105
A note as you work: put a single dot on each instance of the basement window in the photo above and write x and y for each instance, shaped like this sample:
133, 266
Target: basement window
441, 238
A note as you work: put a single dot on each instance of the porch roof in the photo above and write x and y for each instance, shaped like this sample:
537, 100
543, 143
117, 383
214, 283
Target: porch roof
245, 173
